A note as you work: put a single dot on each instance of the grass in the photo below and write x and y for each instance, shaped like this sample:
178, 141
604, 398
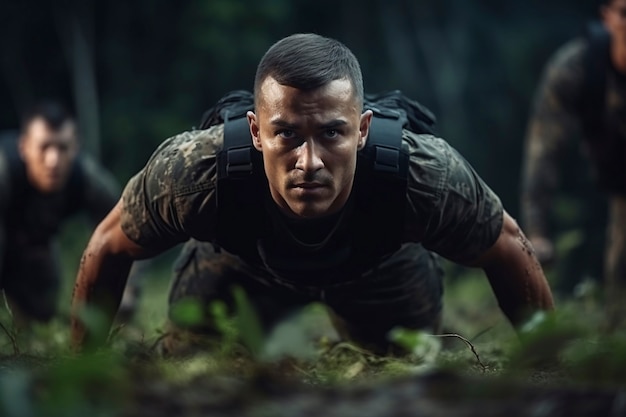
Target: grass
39, 376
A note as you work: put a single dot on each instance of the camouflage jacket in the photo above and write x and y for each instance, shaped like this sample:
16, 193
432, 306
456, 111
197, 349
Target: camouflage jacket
173, 198
556, 118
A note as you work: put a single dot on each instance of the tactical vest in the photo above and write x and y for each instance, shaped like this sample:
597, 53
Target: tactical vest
377, 204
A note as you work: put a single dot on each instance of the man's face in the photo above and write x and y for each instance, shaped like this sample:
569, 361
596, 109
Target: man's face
614, 18
48, 154
309, 141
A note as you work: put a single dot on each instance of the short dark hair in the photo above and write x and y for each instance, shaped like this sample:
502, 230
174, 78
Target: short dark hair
307, 61
51, 111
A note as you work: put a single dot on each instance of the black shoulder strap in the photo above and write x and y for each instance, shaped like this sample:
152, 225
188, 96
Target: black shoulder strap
241, 186
381, 181
380, 184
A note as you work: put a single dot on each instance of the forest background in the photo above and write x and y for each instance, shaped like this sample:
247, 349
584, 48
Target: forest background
137, 72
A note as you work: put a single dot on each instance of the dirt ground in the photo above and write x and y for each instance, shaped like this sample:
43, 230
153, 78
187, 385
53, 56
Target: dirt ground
563, 370
140, 385
437, 394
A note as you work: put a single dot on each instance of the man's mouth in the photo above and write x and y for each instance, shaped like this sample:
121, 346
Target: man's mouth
309, 185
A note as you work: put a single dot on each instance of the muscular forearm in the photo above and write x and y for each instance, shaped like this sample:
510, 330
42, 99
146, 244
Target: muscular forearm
99, 287
520, 287
515, 275
101, 278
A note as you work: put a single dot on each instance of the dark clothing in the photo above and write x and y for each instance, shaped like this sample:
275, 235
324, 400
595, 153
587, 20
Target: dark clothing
29, 272
559, 116
556, 118
449, 210
36, 292
403, 290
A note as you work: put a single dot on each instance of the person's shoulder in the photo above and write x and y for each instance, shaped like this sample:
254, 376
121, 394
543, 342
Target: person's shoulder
186, 158
569, 56
429, 160
191, 146
435, 164
425, 148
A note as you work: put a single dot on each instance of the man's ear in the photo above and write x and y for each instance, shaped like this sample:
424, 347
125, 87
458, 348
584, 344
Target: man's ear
364, 128
254, 130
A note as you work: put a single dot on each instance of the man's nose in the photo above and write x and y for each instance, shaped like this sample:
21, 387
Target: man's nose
52, 157
308, 157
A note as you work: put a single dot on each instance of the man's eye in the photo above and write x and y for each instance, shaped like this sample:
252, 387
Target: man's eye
332, 133
286, 134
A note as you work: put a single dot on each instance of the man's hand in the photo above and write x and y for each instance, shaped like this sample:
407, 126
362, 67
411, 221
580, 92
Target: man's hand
102, 277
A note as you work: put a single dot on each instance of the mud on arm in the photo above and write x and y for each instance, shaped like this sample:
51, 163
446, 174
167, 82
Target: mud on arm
515, 274
102, 277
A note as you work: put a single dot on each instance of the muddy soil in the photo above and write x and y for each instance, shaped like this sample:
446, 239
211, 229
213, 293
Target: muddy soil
437, 394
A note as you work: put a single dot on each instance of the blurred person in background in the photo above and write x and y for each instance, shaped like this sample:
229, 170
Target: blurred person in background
582, 94
45, 179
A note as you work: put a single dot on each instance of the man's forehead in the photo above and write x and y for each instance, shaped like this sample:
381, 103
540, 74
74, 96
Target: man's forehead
39, 127
272, 92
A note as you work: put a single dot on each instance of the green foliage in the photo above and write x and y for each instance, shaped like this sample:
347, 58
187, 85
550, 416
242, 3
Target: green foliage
94, 384
601, 359
422, 345
302, 336
86, 385
247, 321
542, 340
187, 312
568, 342
15, 398
96, 324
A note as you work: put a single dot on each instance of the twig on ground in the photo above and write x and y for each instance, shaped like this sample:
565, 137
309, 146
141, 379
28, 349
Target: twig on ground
482, 332
468, 343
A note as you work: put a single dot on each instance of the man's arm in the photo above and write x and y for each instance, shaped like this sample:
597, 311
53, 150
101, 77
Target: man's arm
102, 275
515, 274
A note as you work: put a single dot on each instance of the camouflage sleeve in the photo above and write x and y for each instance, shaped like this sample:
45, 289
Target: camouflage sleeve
551, 124
173, 197
451, 209
102, 190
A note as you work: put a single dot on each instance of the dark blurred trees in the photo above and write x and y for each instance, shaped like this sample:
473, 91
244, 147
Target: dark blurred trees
139, 71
